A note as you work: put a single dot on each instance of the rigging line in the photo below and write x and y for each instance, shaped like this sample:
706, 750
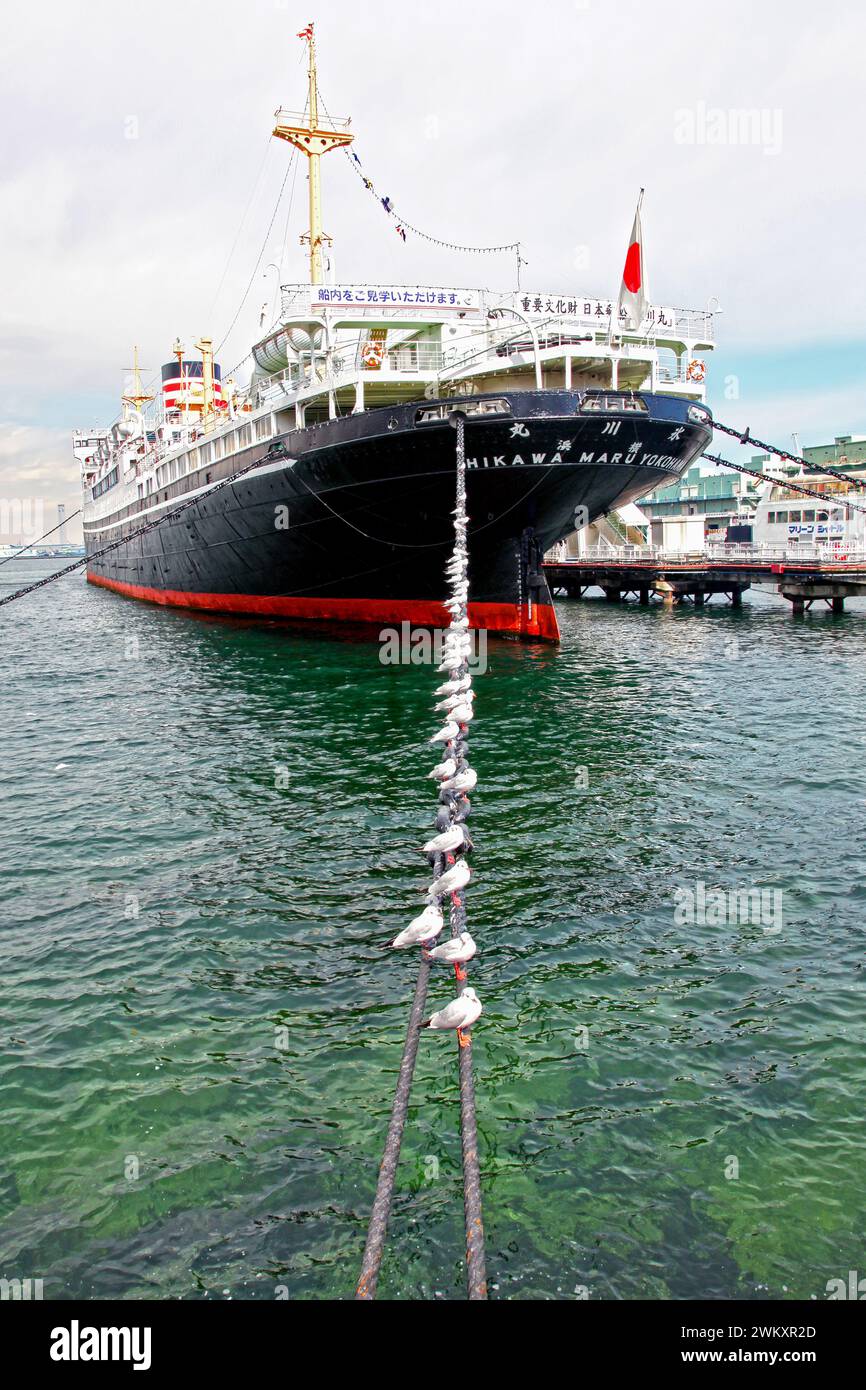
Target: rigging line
30, 544
402, 545
261, 253
253, 192
288, 216
410, 545
456, 367
155, 378
398, 217
149, 526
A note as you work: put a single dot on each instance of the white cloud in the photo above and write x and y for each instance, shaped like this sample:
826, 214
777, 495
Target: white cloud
37, 472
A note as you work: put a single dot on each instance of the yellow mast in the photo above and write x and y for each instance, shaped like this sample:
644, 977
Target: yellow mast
183, 394
136, 397
205, 347
313, 140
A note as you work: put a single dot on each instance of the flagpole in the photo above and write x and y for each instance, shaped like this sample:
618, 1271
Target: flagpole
619, 297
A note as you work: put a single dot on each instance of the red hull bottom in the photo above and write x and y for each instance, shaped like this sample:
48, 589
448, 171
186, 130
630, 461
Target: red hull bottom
540, 625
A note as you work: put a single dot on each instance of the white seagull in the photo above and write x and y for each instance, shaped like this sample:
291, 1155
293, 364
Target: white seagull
443, 771
454, 687
448, 840
446, 734
462, 781
461, 714
455, 952
461, 1013
460, 697
451, 881
425, 928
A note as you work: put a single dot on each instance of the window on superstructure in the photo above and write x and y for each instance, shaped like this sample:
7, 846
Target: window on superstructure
245, 436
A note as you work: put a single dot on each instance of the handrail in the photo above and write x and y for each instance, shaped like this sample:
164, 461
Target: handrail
760, 553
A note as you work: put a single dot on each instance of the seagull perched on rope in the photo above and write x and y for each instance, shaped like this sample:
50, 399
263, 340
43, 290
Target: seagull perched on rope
461, 714
460, 697
424, 928
456, 952
443, 771
451, 881
462, 781
446, 734
461, 1013
448, 840
454, 687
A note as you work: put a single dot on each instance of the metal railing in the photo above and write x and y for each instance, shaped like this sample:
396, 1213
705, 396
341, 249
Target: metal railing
407, 358
760, 553
302, 118
832, 550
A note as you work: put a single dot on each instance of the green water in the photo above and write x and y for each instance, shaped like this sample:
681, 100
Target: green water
156, 1141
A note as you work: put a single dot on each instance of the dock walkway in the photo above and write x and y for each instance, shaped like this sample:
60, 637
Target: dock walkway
802, 576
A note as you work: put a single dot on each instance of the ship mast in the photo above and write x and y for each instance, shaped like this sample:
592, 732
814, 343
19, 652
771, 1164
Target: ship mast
135, 398
313, 140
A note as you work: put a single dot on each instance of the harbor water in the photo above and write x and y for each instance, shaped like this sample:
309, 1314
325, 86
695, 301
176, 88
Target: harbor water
211, 829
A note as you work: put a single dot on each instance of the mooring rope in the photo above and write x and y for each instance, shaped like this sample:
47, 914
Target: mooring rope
446, 852
44, 537
746, 437
476, 1275
276, 450
831, 499
378, 1227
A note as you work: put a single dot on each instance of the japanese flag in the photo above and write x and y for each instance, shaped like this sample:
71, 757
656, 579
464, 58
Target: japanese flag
633, 297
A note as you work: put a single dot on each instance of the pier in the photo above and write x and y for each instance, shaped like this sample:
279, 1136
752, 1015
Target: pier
645, 573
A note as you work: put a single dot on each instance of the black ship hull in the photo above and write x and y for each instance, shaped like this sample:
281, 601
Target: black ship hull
350, 520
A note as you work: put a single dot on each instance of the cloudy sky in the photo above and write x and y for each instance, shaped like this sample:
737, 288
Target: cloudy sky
139, 182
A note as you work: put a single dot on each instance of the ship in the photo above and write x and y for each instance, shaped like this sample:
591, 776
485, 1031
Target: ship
322, 488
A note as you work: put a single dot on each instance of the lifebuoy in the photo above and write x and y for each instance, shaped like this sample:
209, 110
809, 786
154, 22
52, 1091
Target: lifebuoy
696, 370
372, 353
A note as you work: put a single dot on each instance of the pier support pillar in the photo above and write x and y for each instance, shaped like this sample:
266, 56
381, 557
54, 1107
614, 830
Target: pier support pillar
736, 598
643, 598
802, 593
699, 598
613, 595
